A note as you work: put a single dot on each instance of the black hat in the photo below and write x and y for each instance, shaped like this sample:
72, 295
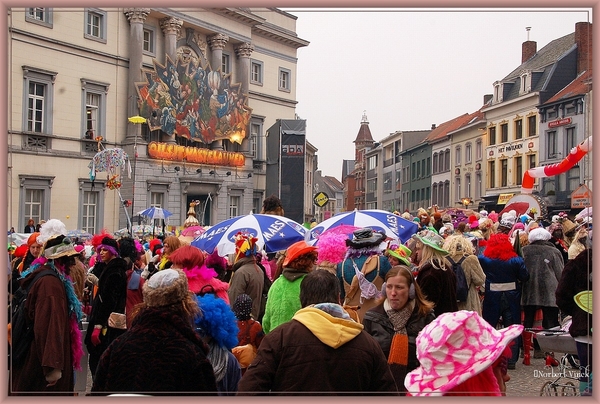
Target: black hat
366, 237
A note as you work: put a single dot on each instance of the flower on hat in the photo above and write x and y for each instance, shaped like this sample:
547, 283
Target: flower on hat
453, 348
402, 253
245, 245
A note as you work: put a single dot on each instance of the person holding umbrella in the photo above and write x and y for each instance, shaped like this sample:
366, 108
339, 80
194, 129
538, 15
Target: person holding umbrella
246, 276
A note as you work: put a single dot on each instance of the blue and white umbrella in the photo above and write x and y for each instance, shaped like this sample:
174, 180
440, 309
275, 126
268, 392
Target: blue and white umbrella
274, 233
155, 213
392, 225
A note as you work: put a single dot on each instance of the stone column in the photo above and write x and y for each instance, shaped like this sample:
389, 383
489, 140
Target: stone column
136, 17
217, 43
171, 27
243, 52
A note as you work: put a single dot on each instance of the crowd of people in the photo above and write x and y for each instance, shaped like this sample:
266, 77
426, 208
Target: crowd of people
354, 313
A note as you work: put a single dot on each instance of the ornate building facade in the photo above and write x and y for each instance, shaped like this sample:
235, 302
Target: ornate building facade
208, 83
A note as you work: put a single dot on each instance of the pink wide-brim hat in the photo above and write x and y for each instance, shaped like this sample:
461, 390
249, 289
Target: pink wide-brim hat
453, 348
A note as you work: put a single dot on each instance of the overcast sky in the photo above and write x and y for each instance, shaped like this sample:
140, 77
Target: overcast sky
406, 69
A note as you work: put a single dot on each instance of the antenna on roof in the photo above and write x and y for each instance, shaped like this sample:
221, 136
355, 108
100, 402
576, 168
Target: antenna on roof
528, 29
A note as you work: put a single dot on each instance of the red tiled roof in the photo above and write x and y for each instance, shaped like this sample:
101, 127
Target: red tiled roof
581, 85
442, 129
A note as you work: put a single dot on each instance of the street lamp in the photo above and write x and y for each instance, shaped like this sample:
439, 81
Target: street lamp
466, 202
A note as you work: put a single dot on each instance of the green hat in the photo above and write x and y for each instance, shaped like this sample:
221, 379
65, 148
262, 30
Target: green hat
402, 253
431, 239
584, 300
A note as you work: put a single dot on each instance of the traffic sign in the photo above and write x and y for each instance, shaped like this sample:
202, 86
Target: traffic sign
321, 199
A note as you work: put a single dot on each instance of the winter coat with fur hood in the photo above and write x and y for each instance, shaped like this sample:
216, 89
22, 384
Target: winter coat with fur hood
544, 264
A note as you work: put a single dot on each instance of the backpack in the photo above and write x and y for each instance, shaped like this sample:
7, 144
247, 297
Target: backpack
462, 288
21, 328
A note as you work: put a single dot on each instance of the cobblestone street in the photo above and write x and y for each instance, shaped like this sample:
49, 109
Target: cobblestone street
527, 381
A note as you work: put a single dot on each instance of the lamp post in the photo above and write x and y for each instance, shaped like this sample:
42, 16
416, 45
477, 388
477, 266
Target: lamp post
138, 120
466, 202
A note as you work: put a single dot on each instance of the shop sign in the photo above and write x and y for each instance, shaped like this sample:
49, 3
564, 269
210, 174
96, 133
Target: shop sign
581, 197
503, 198
175, 152
559, 122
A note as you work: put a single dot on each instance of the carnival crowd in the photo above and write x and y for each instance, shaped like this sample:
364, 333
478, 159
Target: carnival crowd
449, 311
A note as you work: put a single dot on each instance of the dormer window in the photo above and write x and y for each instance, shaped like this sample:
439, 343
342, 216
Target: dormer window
498, 96
525, 82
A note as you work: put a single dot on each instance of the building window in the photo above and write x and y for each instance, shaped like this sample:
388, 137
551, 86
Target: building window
423, 171
225, 63
39, 95
413, 171
573, 179
95, 24
157, 200
551, 113
492, 135
435, 163
457, 190
372, 163
503, 172
519, 129
468, 153
35, 198
234, 205
571, 140
468, 185
39, 15
531, 160
498, 92
504, 132
552, 144
434, 195
418, 170
447, 160
428, 165
148, 41
478, 186
256, 72
387, 182
94, 108
457, 156
255, 139
519, 169
532, 125
570, 109
285, 78
492, 174
257, 202
91, 208
479, 149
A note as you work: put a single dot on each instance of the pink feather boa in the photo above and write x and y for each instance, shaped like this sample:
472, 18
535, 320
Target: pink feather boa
76, 345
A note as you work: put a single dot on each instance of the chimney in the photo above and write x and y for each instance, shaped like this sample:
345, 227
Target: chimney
583, 40
432, 126
529, 49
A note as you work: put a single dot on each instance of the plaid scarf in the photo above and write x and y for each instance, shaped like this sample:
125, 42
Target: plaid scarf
398, 356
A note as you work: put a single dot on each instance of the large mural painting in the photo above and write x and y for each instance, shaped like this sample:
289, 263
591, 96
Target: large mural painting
188, 100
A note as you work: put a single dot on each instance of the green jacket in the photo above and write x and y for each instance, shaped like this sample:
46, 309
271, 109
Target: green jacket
283, 300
